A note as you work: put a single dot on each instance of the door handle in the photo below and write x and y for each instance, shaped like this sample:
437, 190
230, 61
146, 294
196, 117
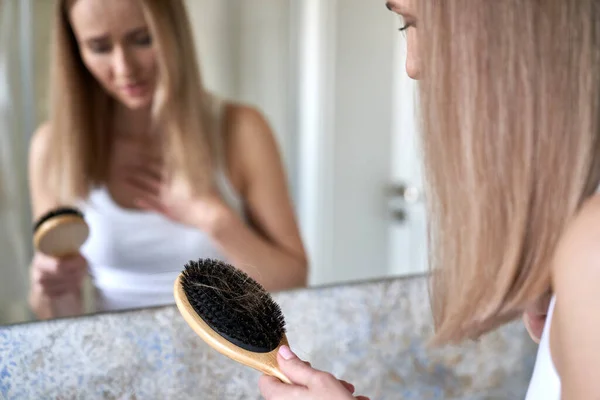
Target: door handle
400, 196
405, 193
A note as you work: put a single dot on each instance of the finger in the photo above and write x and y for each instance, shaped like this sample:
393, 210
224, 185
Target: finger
145, 197
48, 265
150, 204
75, 279
55, 271
362, 398
73, 264
272, 388
57, 290
49, 292
350, 387
58, 274
144, 183
54, 292
46, 278
294, 368
55, 266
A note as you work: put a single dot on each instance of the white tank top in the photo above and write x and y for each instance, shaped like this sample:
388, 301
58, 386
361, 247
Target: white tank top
135, 256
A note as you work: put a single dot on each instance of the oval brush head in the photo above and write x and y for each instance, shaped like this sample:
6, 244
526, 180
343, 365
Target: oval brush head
60, 232
232, 313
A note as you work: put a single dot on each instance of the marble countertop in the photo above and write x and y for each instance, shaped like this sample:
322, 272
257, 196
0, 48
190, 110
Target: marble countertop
372, 334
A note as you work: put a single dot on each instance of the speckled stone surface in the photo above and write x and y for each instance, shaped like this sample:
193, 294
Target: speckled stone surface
372, 334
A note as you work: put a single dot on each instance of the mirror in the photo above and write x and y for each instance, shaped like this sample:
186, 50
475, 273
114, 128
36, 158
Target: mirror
328, 79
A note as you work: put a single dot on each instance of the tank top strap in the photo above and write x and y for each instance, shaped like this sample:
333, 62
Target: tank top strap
216, 106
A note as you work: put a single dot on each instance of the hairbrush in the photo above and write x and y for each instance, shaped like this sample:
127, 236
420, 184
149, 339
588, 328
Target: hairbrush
232, 313
60, 233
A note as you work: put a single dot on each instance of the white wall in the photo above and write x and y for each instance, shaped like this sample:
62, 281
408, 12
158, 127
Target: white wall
244, 55
215, 24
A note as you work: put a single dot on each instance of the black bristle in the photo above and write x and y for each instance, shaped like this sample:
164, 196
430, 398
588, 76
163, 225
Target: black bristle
55, 213
234, 305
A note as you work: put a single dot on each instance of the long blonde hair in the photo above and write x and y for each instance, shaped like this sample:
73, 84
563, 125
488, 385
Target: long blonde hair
80, 109
510, 106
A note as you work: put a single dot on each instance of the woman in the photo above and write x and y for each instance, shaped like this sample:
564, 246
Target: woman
164, 172
511, 104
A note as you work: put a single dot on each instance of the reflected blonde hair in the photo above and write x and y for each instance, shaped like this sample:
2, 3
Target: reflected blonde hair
80, 109
510, 106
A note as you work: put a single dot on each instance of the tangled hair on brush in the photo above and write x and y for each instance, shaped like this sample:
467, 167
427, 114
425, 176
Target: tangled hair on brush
234, 305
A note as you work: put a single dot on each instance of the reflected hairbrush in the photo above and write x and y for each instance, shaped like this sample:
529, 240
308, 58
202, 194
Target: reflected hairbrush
232, 313
60, 233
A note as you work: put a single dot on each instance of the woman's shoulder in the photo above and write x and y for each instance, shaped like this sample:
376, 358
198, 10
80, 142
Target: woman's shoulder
576, 324
582, 236
578, 251
244, 125
238, 117
250, 142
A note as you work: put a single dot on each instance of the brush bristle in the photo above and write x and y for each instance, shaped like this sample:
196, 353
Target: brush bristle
234, 305
56, 213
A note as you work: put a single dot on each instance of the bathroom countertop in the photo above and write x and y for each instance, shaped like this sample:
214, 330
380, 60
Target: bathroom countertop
372, 334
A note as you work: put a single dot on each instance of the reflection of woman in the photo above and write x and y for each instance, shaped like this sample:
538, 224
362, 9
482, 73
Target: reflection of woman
511, 107
164, 172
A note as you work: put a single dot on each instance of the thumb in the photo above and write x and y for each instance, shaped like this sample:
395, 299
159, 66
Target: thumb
294, 368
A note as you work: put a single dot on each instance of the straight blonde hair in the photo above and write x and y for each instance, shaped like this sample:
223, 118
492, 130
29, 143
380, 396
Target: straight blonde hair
510, 106
80, 109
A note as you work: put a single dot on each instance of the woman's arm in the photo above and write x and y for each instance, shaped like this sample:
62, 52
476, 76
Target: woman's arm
48, 275
270, 249
575, 329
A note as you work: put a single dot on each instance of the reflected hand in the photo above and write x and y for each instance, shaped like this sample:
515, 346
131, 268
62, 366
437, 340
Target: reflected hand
152, 192
54, 277
534, 317
309, 383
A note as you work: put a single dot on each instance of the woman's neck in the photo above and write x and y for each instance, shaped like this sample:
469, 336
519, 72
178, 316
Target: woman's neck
128, 122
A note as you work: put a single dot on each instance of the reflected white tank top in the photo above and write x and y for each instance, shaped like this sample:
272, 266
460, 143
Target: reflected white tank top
135, 256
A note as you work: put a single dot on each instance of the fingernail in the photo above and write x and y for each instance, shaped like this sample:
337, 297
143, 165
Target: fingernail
286, 353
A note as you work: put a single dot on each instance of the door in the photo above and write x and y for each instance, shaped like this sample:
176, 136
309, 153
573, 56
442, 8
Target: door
360, 201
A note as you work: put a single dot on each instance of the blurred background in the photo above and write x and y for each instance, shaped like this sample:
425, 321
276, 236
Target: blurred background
328, 75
